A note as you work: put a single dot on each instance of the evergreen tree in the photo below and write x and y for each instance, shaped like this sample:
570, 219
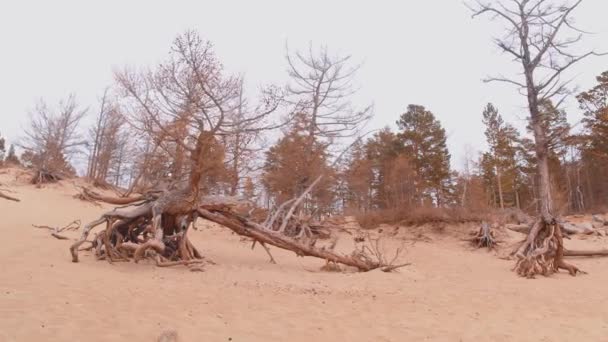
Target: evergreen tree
594, 141
292, 164
500, 163
424, 140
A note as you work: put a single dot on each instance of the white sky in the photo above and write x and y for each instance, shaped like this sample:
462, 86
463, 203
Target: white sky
427, 52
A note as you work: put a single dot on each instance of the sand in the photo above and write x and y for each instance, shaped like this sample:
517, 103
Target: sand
449, 293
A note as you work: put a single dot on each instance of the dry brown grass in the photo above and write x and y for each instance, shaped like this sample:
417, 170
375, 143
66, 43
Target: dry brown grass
419, 216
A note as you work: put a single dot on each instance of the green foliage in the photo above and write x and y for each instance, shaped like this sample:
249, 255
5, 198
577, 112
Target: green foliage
424, 140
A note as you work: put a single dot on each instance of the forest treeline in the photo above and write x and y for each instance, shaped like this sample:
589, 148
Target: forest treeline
271, 146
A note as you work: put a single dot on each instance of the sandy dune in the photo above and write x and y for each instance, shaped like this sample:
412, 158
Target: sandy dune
449, 293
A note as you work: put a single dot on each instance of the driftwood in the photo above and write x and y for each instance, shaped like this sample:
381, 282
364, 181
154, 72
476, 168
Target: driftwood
590, 253
74, 225
10, 198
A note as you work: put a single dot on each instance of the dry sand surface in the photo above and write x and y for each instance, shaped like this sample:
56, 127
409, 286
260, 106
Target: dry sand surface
449, 293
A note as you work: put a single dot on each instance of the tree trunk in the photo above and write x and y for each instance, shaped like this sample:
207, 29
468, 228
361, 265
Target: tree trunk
499, 183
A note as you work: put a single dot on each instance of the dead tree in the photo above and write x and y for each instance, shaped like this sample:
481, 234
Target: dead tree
321, 87
541, 37
52, 138
484, 237
129, 233
108, 141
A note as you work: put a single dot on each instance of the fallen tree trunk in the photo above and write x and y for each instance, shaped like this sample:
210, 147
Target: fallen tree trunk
567, 227
161, 221
90, 195
590, 253
245, 227
520, 228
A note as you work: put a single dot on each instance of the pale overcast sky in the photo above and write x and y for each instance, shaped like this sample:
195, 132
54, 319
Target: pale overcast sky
427, 52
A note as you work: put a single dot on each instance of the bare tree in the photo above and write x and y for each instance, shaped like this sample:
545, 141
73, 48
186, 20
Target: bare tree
184, 107
321, 87
540, 35
244, 141
108, 142
52, 138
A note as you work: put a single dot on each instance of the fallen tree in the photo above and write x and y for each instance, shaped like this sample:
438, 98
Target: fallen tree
159, 222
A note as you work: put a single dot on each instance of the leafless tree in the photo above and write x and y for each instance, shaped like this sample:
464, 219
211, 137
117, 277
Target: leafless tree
184, 106
52, 138
540, 35
321, 87
245, 140
108, 142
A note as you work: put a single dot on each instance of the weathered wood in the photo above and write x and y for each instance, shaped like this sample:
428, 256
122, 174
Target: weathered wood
92, 195
10, 198
590, 253
567, 227
245, 227
484, 237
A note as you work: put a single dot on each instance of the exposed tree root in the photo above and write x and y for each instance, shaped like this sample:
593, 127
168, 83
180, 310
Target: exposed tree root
45, 176
157, 227
542, 253
484, 237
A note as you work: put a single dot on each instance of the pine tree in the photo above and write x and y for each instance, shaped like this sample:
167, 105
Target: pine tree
501, 162
594, 141
424, 140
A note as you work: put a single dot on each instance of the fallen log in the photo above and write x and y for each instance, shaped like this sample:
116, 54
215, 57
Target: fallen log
567, 227
245, 227
520, 228
590, 253
578, 228
91, 195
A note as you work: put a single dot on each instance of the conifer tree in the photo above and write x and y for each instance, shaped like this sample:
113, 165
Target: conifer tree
424, 140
